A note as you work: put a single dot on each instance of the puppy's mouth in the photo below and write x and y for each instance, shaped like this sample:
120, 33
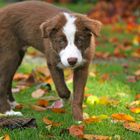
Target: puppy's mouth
62, 66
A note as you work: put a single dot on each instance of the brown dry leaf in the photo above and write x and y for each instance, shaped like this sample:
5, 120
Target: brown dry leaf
38, 108
96, 137
42, 103
7, 137
42, 74
19, 107
38, 93
20, 76
92, 119
132, 126
49, 122
122, 117
137, 97
135, 109
136, 54
58, 110
77, 131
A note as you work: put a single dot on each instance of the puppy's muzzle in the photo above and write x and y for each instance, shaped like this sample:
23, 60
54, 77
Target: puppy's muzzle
72, 61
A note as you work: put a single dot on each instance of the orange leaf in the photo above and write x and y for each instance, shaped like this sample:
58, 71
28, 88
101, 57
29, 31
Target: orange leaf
122, 117
135, 109
20, 76
87, 94
137, 96
58, 110
77, 131
132, 126
6, 137
96, 137
92, 120
42, 103
49, 122
38, 108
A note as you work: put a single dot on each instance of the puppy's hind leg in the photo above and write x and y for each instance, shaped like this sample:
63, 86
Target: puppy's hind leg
12, 101
9, 60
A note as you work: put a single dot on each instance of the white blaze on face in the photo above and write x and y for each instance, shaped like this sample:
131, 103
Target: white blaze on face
70, 50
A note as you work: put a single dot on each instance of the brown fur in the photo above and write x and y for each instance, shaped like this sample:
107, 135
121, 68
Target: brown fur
36, 24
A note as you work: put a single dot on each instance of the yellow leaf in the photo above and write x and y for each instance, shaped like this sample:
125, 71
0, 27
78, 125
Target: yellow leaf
96, 137
135, 109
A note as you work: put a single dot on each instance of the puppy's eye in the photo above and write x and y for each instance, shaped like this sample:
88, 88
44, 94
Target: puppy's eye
80, 40
61, 41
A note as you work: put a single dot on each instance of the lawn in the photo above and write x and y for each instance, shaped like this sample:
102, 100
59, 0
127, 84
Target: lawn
108, 78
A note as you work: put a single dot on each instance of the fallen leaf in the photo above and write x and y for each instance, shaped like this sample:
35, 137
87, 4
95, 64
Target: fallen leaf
131, 79
42, 103
87, 95
38, 93
15, 90
19, 107
92, 119
20, 76
58, 110
77, 131
91, 100
92, 74
132, 126
137, 73
57, 104
95, 137
134, 104
108, 101
38, 108
7, 137
42, 74
49, 122
136, 53
85, 115
105, 77
122, 117
135, 109
137, 97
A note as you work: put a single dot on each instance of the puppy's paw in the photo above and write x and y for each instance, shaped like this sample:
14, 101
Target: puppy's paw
13, 113
13, 104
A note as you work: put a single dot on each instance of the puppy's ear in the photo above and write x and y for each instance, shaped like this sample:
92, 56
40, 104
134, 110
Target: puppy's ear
92, 25
50, 25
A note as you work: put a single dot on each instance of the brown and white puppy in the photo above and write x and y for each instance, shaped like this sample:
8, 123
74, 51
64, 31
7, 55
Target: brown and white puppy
67, 40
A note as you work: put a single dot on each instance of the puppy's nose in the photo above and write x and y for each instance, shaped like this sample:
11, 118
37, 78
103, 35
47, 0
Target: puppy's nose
72, 61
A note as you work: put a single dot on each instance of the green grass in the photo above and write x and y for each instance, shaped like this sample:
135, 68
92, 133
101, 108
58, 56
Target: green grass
117, 87
112, 88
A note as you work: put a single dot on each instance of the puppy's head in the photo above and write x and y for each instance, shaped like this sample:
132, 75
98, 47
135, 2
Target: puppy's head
70, 35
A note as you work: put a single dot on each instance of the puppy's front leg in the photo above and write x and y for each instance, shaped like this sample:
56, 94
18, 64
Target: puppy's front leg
60, 85
79, 80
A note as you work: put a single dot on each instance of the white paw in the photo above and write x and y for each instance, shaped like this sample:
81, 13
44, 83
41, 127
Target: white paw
13, 104
13, 113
